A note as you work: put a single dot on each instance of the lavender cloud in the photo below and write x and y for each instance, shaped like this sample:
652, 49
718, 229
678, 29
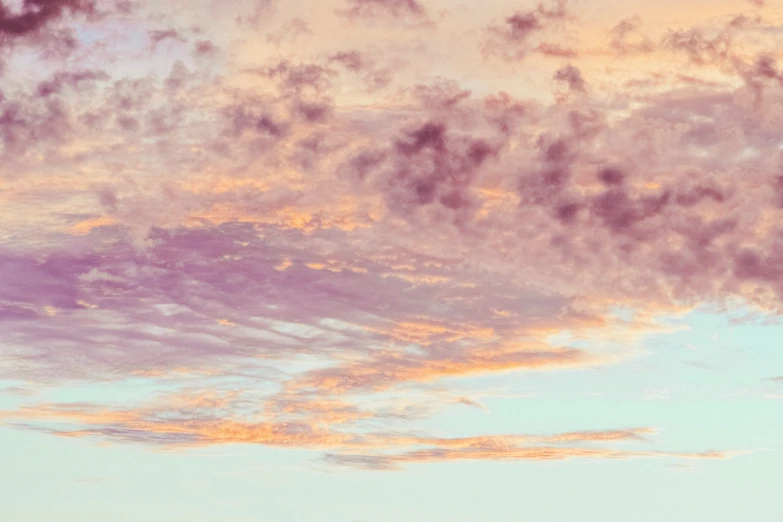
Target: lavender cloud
332, 227
36, 14
515, 37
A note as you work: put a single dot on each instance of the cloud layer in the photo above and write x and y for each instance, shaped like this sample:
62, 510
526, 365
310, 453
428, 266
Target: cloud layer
241, 201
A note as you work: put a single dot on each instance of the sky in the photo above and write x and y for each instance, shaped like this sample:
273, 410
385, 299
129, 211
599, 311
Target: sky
391, 260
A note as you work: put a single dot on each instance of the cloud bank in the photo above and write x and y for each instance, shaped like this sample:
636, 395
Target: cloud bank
314, 224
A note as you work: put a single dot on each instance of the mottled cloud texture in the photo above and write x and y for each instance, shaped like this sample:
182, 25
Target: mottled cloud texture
312, 239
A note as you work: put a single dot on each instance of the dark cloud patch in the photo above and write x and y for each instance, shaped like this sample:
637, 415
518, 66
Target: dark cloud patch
761, 265
521, 25
765, 68
698, 47
700, 193
365, 163
761, 76
777, 188
626, 38
548, 184
351, 60
313, 112
611, 176
243, 118
714, 45
301, 98
35, 122
368, 66
516, 36
505, 113
567, 212
300, 79
432, 165
160, 35
556, 51
442, 94
262, 12
36, 14
428, 136
63, 79
621, 212
394, 9
571, 76
204, 48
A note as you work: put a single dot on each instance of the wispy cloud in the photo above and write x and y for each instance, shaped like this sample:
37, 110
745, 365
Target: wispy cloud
197, 425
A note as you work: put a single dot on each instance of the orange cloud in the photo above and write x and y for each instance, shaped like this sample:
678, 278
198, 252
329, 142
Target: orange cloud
389, 462
162, 428
382, 372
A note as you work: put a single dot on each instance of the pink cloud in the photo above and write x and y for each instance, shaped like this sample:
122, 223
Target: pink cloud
36, 14
515, 37
384, 227
394, 9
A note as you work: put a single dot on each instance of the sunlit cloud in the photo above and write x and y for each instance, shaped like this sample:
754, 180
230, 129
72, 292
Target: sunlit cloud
227, 195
